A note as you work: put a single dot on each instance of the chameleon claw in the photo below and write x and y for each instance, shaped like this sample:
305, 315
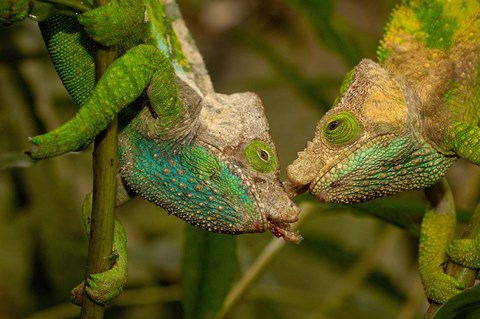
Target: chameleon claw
102, 287
77, 293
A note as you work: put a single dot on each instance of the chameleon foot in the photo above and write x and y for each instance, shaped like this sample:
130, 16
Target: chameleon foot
465, 252
103, 287
440, 287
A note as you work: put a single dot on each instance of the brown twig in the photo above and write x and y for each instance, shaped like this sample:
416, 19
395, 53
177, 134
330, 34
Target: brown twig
105, 164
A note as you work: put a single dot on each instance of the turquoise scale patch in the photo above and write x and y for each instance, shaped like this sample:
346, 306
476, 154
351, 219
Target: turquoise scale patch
190, 183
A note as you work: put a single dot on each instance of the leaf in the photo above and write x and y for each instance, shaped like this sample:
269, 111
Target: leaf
465, 305
320, 15
338, 256
208, 268
311, 90
401, 212
406, 214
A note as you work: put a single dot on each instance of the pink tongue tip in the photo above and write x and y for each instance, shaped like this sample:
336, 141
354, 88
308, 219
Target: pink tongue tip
283, 231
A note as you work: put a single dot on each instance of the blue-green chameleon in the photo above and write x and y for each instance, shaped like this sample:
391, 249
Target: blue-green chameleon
204, 157
401, 122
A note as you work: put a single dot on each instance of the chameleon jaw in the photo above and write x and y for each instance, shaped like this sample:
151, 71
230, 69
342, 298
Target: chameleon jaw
273, 208
384, 167
278, 211
283, 230
317, 187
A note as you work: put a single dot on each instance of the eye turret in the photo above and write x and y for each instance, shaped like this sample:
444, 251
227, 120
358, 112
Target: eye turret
341, 128
260, 156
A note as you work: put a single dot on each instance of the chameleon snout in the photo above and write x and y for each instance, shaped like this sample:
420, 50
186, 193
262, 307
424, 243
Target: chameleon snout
280, 212
278, 206
286, 214
304, 170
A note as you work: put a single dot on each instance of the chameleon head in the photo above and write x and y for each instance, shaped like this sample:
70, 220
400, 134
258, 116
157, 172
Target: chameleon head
235, 130
369, 144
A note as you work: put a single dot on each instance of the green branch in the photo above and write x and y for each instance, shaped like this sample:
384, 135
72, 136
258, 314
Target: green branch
105, 164
465, 275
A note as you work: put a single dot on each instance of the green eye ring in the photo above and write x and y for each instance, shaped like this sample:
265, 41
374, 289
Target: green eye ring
260, 156
341, 128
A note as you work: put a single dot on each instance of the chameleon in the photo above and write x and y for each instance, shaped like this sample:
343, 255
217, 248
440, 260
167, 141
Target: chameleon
204, 157
399, 123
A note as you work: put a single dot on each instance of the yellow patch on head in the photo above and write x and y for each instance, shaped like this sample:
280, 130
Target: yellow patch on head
385, 104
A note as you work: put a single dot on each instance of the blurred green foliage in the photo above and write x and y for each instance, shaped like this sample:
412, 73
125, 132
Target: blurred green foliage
208, 268
294, 54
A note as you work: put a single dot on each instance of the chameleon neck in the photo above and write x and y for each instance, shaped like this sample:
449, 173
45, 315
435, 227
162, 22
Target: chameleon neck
168, 32
446, 36
180, 178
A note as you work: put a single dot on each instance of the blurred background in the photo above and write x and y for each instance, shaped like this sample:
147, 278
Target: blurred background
294, 54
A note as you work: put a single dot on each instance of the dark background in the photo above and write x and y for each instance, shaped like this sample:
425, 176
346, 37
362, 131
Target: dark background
348, 266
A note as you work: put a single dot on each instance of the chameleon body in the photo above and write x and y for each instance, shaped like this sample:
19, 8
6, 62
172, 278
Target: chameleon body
175, 122
401, 122
205, 157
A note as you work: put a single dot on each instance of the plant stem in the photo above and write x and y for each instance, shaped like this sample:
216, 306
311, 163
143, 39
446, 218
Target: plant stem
464, 275
105, 164
354, 277
256, 269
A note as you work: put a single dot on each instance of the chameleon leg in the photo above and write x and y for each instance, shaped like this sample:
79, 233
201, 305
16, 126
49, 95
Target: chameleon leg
13, 11
466, 252
115, 22
106, 286
465, 141
123, 82
436, 232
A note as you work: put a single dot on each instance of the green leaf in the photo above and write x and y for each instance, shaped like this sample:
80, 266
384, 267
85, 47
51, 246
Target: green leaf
208, 268
465, 305
320, 14
406, 214
311, 90
401, 212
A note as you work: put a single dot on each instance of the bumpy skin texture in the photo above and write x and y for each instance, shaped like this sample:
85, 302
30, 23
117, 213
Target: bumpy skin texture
400, 123
205, 157
13, 10
176, 122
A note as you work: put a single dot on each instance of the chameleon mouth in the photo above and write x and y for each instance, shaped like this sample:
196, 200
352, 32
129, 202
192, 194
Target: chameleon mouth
279, 224
327, 180
284, 230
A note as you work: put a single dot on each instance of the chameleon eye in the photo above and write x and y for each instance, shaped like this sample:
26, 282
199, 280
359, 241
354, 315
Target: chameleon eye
260, 156
263, 155
332, 125
341, 128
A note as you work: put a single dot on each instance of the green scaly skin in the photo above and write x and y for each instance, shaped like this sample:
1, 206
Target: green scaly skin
106, 286
204, 157
401, 122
